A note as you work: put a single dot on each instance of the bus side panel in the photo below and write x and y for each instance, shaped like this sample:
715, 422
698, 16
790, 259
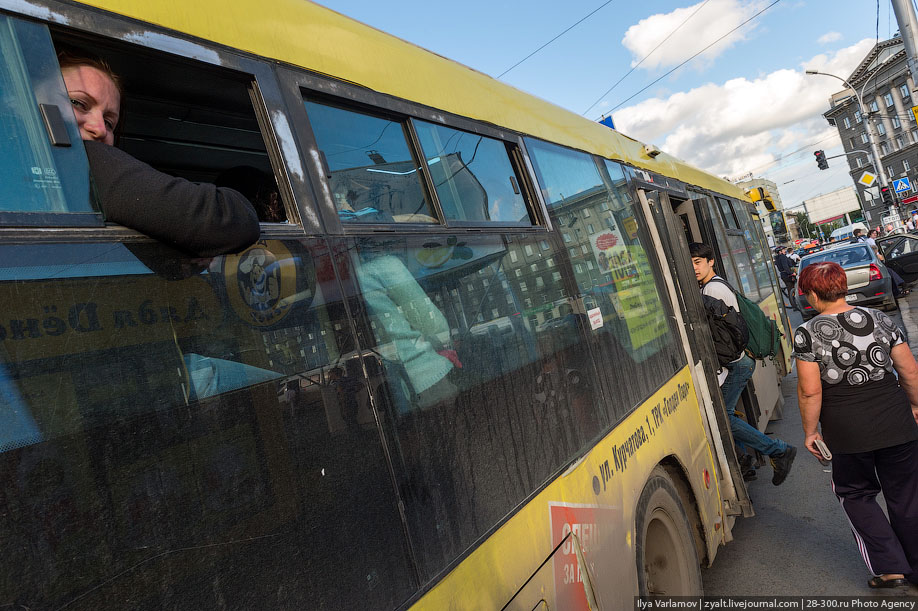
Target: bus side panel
595, 499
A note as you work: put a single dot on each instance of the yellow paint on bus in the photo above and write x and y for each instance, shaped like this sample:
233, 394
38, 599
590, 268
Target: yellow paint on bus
318, 39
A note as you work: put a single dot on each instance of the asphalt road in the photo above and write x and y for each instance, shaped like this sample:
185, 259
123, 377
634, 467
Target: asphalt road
799, 542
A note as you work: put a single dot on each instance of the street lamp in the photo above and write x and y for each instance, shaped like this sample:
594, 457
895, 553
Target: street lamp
871, 137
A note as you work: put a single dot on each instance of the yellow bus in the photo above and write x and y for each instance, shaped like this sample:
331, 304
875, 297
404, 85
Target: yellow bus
466, 366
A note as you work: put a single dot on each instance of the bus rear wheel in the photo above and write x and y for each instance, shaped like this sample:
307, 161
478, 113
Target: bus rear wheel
667, 563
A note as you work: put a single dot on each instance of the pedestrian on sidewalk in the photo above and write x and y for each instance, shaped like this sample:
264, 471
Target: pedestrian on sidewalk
847, 361
738, 373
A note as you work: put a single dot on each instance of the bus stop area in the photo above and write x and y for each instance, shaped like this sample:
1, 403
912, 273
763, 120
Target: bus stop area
799, 542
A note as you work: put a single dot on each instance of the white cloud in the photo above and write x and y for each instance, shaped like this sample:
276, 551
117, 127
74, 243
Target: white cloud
711, 22
742, 124
829, 37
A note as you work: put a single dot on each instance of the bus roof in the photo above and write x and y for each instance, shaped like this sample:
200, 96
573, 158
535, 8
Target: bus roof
318, 39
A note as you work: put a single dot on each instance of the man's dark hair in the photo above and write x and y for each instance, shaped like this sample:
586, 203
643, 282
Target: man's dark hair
697, 249
858, 232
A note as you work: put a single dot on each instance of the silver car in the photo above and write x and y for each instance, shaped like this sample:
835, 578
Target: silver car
869, 281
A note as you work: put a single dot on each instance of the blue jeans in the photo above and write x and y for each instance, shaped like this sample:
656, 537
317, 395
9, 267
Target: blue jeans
738, 373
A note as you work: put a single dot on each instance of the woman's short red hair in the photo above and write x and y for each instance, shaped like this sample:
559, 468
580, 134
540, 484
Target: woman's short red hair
826, 279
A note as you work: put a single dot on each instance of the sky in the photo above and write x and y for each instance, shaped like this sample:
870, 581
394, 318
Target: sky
742, 104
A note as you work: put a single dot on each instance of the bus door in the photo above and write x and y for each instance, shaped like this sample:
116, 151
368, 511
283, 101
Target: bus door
669, 235
742, 259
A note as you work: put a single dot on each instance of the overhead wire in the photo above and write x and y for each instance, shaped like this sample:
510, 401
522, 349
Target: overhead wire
603, 5
668, 36
655, 81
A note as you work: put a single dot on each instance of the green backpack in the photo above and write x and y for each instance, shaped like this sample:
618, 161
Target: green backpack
764, 337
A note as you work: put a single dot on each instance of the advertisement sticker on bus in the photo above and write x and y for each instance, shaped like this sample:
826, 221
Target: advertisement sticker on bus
586, 523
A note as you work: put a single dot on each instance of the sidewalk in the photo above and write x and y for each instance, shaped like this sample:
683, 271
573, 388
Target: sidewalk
799, 542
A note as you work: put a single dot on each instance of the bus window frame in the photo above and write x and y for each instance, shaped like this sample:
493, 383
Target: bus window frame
299, 85
117, 32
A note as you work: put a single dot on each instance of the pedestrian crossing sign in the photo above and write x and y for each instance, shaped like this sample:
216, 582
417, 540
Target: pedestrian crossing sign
867, 179
901, 185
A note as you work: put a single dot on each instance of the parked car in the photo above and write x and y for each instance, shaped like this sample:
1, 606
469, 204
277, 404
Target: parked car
869, 281
901, 254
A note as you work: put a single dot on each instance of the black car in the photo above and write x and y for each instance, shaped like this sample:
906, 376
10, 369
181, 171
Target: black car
869, 281
901, 254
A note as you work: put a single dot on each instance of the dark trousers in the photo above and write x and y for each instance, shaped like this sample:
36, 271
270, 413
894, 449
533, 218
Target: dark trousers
887, 546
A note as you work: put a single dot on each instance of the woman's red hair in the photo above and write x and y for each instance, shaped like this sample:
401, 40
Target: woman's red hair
826, 279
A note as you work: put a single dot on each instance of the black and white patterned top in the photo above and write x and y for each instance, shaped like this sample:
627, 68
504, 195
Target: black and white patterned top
863, 407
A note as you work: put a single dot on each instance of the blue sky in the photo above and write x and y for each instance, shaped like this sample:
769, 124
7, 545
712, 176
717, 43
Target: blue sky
744, 105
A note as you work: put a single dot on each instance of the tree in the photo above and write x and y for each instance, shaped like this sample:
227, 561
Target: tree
807, 228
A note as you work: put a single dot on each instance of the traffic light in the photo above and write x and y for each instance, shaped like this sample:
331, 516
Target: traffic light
886, 195
821, 160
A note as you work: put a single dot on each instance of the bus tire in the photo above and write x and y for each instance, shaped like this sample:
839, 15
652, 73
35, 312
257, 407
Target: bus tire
667, 562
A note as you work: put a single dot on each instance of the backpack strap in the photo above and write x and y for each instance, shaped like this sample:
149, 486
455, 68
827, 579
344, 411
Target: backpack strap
724, 282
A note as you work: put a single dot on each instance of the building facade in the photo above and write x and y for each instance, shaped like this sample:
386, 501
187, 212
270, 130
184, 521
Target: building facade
888, 92
774, 223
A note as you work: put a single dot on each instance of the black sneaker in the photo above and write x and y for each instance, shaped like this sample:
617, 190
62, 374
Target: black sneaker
782, 465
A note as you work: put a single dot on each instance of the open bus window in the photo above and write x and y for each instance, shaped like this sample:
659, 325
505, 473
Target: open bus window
374, 176
188, 120
473, 176
43, 168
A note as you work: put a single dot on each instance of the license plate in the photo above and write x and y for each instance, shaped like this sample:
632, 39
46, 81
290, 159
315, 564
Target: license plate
850, 297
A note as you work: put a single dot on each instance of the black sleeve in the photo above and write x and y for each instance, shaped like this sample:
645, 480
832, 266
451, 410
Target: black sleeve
202, 220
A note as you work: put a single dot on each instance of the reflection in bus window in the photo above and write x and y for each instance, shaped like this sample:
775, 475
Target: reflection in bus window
202, 418
474, 178
374, 176
506, 360
612, 269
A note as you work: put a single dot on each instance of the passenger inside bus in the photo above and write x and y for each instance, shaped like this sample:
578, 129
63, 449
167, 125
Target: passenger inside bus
199, 219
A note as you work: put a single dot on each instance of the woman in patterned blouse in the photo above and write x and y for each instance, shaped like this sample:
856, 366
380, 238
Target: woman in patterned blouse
847, 361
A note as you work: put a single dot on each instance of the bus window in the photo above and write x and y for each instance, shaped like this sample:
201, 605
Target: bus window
720, 236
43, 168
206, 420
489, 385
188, 119
612, 269
473, 176
762, 269
726, 209
375, 178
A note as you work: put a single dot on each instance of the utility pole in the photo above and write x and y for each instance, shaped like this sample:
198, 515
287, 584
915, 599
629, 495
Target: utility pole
908, 29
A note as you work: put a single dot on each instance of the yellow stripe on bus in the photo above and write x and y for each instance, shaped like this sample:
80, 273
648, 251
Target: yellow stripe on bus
318, 39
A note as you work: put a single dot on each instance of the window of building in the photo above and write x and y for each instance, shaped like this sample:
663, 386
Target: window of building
566, 237
857, 116
590, 228
852, 143
887, 97
847, 123
864, 138
884, 148
859, 162
915, 135
543, 245
873, 106
529, 250
899, 142
906, 166
881, 129
904, 92
896, 123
